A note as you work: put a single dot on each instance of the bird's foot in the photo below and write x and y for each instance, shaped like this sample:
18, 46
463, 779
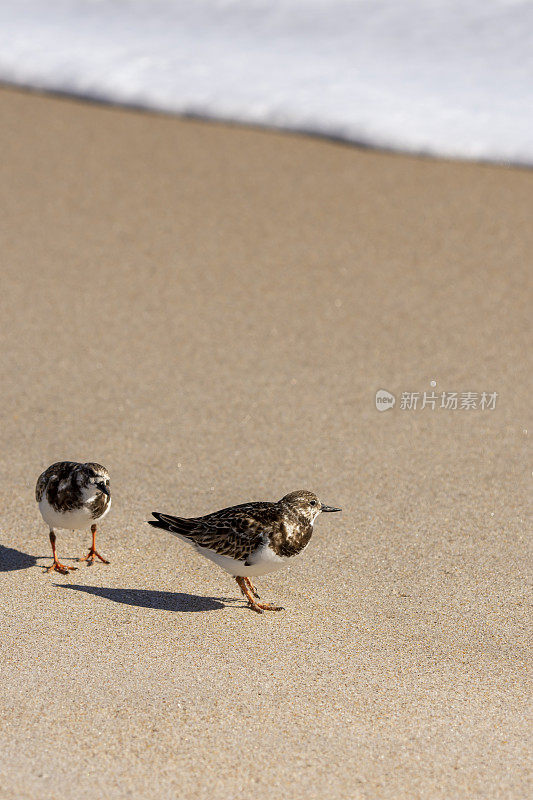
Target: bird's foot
91, 555
58, 567
260, 607
246, 587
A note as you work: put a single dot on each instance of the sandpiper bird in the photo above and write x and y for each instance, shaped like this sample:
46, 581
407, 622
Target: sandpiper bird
73, 496
250, 539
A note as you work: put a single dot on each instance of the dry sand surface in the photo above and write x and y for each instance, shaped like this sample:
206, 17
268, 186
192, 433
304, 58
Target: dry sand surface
209, 311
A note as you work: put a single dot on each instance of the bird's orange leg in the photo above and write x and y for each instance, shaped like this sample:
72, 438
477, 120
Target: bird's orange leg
56, 565
252, 588
93, 552
259, 607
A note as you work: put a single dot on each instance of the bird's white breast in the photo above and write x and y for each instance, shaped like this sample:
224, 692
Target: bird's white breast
75, 519
264, 561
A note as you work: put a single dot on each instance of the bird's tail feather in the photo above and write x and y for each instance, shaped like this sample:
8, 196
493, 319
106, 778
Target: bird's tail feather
157, 523
160, 521
168, 523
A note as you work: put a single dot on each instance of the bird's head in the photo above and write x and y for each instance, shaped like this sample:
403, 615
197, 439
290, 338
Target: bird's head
92, 478
306, 504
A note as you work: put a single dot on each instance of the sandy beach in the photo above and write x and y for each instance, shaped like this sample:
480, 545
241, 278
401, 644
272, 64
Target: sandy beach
209, 311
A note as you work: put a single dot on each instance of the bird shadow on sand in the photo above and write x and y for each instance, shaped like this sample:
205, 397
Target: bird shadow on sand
11, 559
147, 598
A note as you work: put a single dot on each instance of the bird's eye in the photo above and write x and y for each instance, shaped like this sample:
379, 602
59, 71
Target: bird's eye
312, 502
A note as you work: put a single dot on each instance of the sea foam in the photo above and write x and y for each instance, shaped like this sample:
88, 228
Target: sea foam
442, 77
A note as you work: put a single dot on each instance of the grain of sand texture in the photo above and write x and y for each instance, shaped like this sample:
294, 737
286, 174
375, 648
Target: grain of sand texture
209, 311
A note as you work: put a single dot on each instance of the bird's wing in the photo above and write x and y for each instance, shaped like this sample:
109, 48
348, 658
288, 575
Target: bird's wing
56, 472
235, 532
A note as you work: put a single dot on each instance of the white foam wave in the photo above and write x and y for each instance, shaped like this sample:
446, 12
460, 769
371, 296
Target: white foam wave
444, 77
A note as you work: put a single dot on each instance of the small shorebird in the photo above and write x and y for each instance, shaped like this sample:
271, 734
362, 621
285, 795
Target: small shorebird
73, 496
250, 539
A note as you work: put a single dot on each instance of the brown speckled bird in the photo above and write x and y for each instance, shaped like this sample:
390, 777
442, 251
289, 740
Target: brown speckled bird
73, 496
250, 539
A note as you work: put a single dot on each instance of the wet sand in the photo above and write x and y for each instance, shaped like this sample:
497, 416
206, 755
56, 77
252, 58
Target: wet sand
208, 311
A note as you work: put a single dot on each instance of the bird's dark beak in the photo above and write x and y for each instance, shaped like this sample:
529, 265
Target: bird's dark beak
103, 488
330, 508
